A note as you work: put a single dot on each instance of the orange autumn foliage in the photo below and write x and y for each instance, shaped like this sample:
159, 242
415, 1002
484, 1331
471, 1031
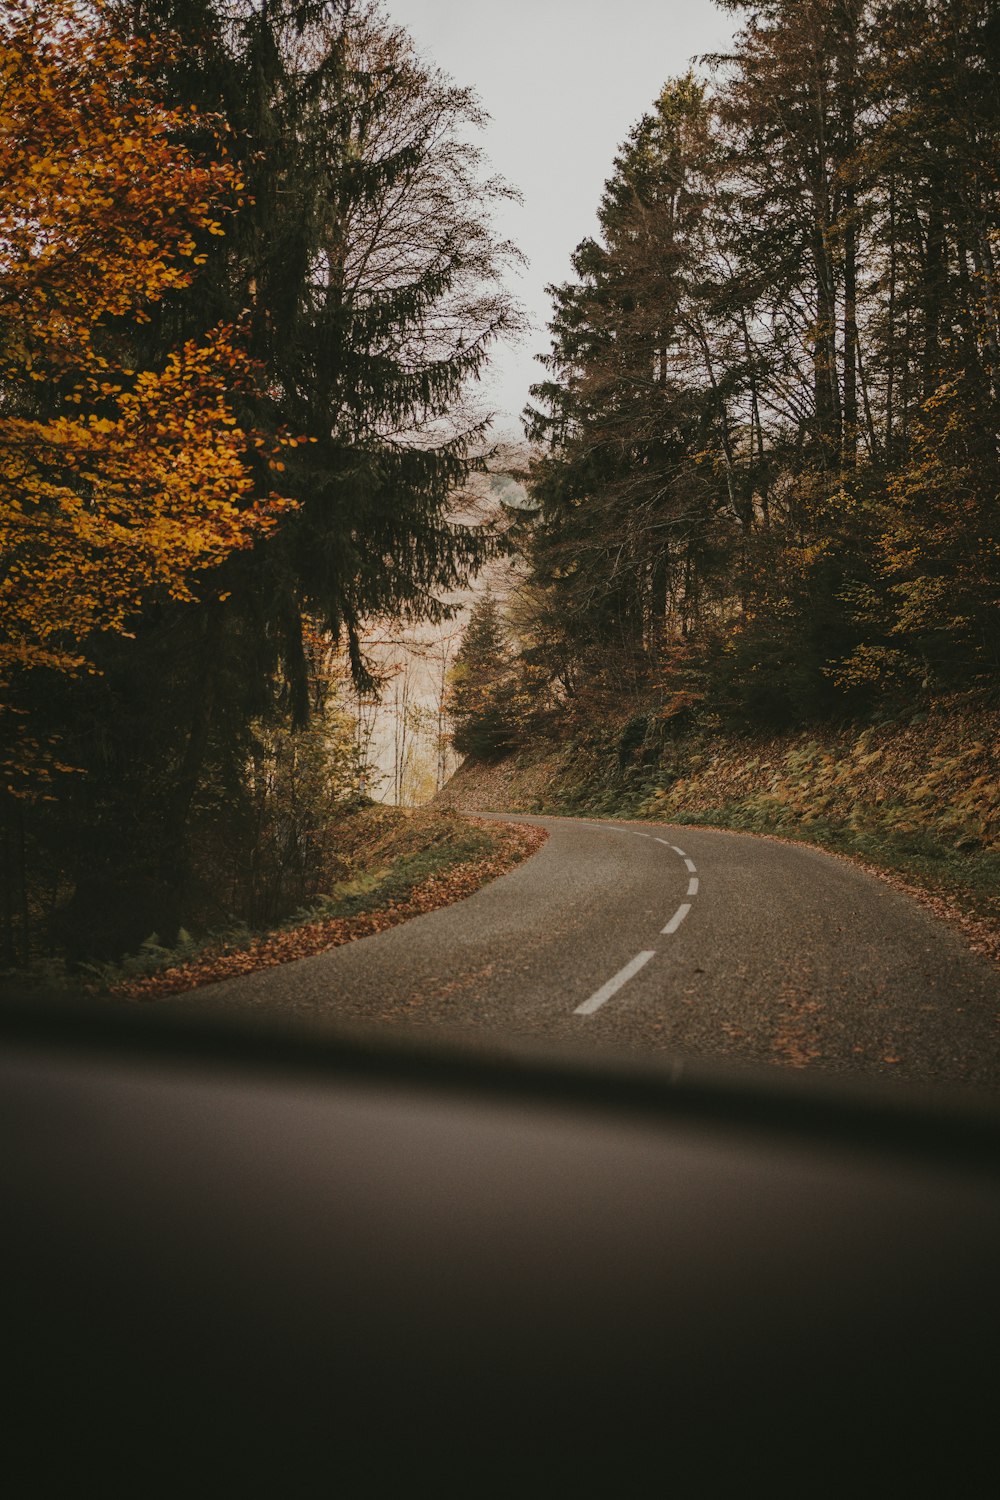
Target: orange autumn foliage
114, 482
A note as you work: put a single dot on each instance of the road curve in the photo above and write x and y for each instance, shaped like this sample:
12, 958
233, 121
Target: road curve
643, 936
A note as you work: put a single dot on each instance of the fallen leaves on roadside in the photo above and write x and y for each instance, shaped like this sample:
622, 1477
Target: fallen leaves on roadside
512, 844
797, 1041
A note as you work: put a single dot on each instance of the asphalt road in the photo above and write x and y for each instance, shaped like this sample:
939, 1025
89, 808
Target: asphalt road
643, 936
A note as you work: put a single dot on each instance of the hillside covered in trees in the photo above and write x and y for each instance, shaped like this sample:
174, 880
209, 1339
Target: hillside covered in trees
767, 475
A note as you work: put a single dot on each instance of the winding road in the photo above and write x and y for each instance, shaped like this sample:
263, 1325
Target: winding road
642, 936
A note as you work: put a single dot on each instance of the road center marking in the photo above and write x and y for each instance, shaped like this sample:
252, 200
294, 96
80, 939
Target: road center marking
676, 919
614, 985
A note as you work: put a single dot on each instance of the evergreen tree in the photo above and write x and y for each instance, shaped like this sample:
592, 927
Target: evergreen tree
629, 517
482, 688
772, 420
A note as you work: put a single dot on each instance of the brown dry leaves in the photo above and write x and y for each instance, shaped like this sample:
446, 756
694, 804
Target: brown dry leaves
980, 933
512, 844
940, 776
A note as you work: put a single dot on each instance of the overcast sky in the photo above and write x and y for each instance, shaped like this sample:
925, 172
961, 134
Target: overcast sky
564, 81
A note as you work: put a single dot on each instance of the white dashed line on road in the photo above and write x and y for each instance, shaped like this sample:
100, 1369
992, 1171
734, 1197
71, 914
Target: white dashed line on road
614, 985
641, 959
676, 919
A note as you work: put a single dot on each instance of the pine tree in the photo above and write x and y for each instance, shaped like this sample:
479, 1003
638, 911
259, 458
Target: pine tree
792, 109
482, 686
628, 514
765, 394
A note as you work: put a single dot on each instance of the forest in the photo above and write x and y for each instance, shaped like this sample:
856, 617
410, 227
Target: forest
248, 279
766, 448
246, 275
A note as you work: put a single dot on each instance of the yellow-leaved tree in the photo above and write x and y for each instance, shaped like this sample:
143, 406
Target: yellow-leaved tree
116, 483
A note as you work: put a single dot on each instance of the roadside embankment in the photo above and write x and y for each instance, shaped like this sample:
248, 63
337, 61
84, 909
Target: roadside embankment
917, 801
